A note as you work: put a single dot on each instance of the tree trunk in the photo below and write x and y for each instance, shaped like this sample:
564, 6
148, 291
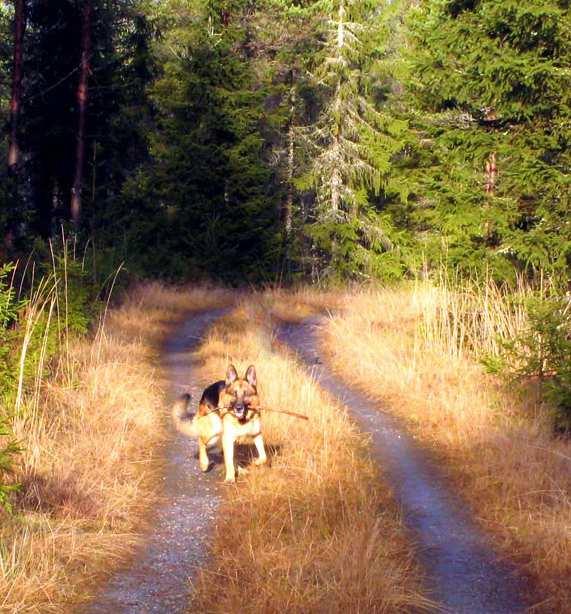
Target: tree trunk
288, 209
490, 189
341, 26
336, 177
288, 213
17, 73
82, 100
336, 186
491, 175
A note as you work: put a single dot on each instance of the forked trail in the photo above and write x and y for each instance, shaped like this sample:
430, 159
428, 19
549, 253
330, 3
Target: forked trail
462, 570
156, 580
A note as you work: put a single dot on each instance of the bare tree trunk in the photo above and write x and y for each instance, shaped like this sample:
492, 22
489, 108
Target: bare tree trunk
288, 213
336, 185
288, 209
336, 177
17, 74
490, 189
491, 174
341, 25
94, 172
82, 100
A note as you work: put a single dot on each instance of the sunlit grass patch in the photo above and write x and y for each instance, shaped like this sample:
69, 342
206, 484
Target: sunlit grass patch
417, 349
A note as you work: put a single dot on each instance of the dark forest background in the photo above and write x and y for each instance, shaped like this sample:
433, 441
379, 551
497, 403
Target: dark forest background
289, 139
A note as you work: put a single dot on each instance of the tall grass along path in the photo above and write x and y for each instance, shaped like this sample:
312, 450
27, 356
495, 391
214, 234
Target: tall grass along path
462, 570
157, 579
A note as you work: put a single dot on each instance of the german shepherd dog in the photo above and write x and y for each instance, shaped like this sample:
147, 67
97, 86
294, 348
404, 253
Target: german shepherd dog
229, 410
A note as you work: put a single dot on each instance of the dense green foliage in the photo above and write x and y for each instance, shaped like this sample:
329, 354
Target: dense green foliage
207, 195
8, 450
490, 85
8, 447
9, 307
325, 138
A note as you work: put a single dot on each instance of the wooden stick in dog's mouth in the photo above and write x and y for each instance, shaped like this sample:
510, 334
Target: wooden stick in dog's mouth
288, 413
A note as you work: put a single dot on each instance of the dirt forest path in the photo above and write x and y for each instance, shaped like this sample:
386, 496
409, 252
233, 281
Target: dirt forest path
463, 573
156, 580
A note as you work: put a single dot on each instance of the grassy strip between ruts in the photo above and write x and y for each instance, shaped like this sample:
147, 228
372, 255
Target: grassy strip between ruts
88, 469
497, 448
317, 530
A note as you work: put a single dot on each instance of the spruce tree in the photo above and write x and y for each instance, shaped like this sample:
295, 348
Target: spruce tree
287, 37
491, 84
351, 147
207, 199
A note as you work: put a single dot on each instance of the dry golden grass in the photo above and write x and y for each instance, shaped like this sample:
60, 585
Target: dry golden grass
318, 530
414, 349
88, 468
301, 303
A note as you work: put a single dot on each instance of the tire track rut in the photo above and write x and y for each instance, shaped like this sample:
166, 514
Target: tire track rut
156, 580
463, 572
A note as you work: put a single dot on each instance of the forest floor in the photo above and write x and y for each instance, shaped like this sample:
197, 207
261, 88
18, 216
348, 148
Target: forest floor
372, 504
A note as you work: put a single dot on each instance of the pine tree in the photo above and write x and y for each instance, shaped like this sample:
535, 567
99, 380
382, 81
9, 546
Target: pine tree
288, 42
67, 140
491, 83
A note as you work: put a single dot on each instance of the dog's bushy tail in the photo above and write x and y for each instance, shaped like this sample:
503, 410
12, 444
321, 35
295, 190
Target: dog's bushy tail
182, 416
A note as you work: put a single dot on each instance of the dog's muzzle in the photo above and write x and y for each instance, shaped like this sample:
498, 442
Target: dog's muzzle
240, 411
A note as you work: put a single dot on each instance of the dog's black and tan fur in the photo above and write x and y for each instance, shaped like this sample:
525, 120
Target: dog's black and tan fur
229, 410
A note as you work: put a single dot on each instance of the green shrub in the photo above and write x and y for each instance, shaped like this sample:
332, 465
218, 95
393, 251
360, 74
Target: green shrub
8, 447
8, 450
543, 350
9, 308
77, 296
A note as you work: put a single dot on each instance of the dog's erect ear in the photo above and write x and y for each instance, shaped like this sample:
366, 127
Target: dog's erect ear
231, 375
251, 376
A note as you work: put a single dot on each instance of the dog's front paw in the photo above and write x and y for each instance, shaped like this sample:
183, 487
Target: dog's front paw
260, 461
